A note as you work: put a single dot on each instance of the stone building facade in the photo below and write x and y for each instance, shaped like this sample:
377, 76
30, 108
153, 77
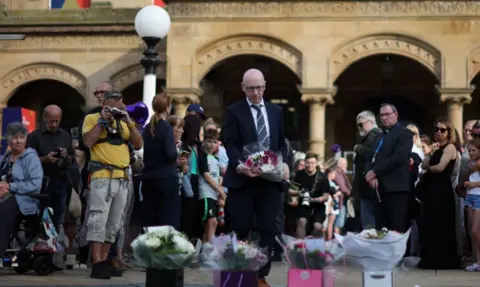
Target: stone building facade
329, 59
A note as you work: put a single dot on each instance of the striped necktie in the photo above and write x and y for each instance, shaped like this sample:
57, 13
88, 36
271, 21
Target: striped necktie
261, 127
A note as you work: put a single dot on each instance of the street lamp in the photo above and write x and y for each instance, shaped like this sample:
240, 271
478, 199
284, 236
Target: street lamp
152, 23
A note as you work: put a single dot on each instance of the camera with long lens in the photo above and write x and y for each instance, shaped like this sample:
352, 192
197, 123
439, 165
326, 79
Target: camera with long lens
306, 197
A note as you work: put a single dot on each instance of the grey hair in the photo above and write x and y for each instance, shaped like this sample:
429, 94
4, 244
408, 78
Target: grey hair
14, 129
367, 115
394, 109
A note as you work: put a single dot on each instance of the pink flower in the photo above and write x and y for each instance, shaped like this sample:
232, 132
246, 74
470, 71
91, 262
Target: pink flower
249, 162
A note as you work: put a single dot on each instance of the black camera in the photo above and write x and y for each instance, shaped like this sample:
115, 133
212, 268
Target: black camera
62, 162
58, 152
116, 113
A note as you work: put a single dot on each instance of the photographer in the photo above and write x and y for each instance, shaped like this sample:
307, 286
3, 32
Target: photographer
314, 191
107, 135
54, 147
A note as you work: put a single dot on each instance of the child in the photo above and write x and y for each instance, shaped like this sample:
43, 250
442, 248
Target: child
472, 202
210, 186
332, 206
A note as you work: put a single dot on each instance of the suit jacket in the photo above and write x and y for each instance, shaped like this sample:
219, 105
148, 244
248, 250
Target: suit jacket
239, 131
392, 162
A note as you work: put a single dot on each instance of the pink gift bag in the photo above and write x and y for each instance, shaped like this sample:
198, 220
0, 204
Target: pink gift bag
309, 278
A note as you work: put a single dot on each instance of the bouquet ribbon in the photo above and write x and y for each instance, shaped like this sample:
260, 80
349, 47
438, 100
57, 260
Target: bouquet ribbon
228, 278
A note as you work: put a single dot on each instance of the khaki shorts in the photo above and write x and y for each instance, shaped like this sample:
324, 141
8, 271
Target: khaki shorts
106, 216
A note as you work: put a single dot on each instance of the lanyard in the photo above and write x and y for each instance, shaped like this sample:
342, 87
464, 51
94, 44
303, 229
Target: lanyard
378, 148
379, 145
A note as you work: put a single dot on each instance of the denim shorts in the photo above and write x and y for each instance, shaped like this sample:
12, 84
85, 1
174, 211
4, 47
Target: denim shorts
472, 201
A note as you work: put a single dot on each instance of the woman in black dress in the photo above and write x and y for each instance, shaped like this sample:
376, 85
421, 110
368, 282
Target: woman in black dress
438, 240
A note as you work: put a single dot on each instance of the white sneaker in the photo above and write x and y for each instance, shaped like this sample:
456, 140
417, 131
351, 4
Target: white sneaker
475, 267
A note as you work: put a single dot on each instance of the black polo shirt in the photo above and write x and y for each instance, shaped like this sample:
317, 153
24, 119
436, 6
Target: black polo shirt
44, 142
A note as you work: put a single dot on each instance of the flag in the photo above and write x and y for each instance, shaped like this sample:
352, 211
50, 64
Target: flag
159, 3
69, 4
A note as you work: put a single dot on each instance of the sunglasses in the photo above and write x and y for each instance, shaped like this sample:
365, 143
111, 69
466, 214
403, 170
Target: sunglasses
467, 131
442, 130
360, 125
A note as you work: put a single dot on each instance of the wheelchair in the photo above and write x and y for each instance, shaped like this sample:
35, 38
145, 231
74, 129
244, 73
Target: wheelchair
20, 256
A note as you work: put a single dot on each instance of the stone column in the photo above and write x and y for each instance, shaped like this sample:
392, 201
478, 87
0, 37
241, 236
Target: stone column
455, 99
317, 99
181, 98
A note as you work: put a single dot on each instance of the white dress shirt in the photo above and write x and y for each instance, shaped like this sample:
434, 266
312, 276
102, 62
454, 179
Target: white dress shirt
265, 115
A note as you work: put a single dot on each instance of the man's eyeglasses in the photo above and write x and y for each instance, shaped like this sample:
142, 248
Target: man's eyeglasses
255, 88
99, 93
467, 131
442, 130
384, 115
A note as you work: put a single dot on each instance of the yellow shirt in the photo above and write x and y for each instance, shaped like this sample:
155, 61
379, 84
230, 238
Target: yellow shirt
116, 155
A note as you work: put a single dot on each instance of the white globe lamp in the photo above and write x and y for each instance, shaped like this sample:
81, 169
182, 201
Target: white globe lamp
152, 23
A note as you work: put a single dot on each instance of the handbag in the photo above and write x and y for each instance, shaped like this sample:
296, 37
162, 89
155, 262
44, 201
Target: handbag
74, 210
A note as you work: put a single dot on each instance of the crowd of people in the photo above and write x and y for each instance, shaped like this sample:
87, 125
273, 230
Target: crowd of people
187, 173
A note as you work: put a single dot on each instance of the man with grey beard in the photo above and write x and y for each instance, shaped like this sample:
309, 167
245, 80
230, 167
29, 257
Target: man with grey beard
368, 131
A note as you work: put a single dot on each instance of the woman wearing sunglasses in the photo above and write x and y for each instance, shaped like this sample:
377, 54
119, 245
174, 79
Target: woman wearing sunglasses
437, 233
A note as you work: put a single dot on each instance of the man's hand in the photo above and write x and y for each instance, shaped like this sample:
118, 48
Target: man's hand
63, 152
106, 113
51, 157
370, 175
243, 169
373, 183
286, 172
221, 202
126, 118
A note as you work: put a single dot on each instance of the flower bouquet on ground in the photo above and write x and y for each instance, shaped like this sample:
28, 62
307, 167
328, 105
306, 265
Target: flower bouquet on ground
267, 163
376, 251
164, 252
235, 263
310, 261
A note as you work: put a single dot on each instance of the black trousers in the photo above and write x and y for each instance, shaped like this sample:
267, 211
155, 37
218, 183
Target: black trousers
161, 202
392, 211
9, 213
259, 199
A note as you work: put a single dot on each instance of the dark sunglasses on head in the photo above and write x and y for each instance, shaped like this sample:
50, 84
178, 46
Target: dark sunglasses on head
442, 130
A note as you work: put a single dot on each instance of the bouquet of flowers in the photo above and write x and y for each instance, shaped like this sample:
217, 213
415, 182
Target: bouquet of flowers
261, 160
374, 250
228, 253
310, 261
163, 247
309, 253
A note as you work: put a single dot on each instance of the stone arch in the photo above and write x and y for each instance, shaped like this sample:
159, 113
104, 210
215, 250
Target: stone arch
216, 51
133, 74
473, 64
39, 71
415, 49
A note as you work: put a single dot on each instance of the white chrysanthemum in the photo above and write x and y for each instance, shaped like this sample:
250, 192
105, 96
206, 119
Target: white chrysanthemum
183, 244
161, 231
153, 242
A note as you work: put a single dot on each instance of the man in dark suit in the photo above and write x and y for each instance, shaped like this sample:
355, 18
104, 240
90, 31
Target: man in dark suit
389, 171
249, 196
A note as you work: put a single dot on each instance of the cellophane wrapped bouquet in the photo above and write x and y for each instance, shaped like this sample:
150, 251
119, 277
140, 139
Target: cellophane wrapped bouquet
374, 250
163, 247
228, 253
267, 163
310, 261
310, 253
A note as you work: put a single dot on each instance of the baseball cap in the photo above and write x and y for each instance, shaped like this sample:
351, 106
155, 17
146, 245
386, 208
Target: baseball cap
198, 109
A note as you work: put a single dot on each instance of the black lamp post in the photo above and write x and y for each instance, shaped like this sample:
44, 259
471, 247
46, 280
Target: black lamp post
152, 23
